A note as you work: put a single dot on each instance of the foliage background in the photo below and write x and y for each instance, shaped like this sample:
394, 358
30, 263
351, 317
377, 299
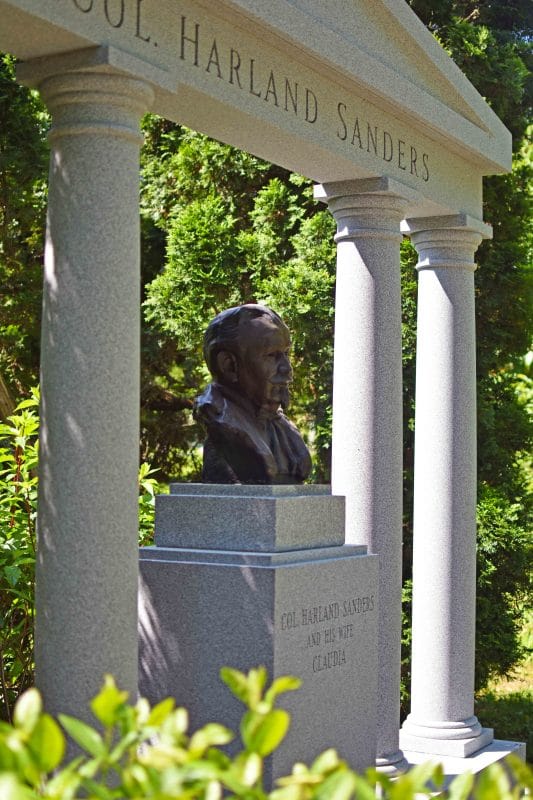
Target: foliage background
220, 227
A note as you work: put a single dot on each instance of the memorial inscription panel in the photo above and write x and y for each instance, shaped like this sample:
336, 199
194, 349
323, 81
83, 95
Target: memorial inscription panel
218, 72
324, 635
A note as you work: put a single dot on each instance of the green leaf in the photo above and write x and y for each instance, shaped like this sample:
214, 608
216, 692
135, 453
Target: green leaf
285, 683
338, 786
291, 792
7, 758
47, 743
492, 782
107, 702
262, 733
522, 771
257, 679
27, 710
364, 789
63, 786
325, 762
27, 404
248, 768
420, 775
175, 725
200, 770
160, 712
209, 736
88, 769
101, 792
461, 786
12, 789
127, 741
12, 573
87, 738
236, 682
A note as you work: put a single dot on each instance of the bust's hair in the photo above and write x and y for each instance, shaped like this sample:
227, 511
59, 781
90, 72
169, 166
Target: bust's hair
223, 331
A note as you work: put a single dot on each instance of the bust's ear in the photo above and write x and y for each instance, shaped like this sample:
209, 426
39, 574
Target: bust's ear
227, 366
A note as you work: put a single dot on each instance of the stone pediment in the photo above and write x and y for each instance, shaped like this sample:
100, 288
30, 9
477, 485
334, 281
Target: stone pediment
386, 49
334, 90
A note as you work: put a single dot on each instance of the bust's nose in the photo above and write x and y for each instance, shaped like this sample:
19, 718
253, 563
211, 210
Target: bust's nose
285, 368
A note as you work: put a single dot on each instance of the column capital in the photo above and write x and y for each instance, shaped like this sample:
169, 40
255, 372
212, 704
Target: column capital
446, 242
114, 86
100, 59
326, 192
366, 208
450, 222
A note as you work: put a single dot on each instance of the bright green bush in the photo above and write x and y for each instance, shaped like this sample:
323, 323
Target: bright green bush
142, 752
18, 506
18, 511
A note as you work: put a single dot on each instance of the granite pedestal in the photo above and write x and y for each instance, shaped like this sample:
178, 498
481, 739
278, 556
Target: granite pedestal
305, 606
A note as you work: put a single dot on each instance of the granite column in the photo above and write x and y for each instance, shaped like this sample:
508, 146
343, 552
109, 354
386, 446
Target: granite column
367, 410
87, 564
442, 717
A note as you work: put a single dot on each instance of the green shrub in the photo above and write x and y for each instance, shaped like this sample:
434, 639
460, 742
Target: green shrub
18, 505
504, 557
142, 752
18, 511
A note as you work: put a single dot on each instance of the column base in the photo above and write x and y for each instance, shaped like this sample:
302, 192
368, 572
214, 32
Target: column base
460, 741
496, 752
392, 764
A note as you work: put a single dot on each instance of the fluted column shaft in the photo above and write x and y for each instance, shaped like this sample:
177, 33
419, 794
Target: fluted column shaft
86, 592
444, 546
367, 411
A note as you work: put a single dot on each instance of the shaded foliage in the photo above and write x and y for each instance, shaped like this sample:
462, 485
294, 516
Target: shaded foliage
19, 447
23, 165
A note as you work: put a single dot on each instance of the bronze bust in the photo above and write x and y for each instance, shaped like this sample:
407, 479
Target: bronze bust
249, 438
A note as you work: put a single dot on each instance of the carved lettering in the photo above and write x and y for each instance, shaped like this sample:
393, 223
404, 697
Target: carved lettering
357, 133
344, 135
284, 92
118, 14
252, 90
85, 8
357, 605
311, 106
293, 96
194, 41
346, 631
271, 89
328, 646
380, 143
401, 154
116, 18
388, 149
413, 161
310, 616
234, 67
288, 621
372, 137
329, 660
425, 176
138, 25
329, 636
214, 59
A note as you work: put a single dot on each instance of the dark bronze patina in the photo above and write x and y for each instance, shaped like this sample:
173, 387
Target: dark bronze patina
249, 438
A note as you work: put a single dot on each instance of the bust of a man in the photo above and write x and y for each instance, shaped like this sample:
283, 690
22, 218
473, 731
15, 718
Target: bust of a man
249, 438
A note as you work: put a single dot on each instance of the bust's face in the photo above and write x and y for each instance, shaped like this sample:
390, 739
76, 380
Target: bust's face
264, 367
